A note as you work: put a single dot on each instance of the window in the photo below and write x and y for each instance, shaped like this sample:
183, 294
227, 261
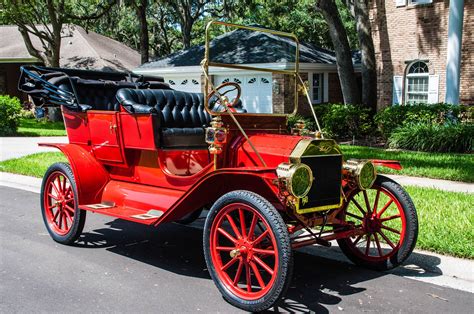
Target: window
317, 88
417, 83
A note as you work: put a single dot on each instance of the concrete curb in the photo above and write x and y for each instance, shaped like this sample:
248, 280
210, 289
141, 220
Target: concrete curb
423, 266
21, 182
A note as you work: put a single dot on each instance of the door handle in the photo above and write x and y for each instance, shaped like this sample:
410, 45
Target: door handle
113, 128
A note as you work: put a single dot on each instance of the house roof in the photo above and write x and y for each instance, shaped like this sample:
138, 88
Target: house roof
79, 49
246, 47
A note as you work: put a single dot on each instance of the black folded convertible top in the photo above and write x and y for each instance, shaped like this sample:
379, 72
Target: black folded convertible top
101, 75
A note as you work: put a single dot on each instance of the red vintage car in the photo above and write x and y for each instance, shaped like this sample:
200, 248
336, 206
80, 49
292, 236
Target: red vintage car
140, 151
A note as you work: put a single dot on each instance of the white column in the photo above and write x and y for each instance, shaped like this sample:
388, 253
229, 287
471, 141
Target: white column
453, 63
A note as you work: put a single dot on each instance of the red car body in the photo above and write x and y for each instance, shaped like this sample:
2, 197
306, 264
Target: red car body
251, 171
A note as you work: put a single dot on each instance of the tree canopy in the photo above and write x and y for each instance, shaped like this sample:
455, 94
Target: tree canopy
177, 24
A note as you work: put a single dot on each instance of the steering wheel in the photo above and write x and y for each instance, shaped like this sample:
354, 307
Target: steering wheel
223, 102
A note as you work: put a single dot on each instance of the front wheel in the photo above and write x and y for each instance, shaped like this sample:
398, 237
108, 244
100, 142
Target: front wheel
59, 204
387, 219
247, 250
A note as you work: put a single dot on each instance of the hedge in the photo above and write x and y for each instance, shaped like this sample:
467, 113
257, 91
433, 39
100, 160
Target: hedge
10, 110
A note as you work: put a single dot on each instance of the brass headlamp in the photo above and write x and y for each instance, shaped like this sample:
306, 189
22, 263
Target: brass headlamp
361, 172
297, 179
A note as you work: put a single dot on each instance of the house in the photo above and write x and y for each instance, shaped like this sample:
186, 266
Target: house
261, 91
423, 50
79, 49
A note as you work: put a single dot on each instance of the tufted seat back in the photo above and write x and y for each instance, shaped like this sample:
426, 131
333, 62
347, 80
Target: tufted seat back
181, 116
175, 109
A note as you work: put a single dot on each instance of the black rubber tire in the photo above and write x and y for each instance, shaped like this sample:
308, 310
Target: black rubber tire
79, 214
285, 255
411, 232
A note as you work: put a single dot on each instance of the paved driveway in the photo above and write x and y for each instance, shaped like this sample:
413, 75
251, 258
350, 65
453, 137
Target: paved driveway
14, 147
119, 266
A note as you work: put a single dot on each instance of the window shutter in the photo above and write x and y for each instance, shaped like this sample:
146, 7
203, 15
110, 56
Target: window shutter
400, 3
433, 89
326, 87
397, 90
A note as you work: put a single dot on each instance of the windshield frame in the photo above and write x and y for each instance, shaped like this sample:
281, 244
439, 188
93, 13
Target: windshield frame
206, 63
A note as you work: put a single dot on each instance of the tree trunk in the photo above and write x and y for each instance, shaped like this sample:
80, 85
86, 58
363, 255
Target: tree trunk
350, 89
369, 70
186, 31
144, 39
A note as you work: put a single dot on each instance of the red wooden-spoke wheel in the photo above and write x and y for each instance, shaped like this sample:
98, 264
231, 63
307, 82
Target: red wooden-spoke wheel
59, 203
253, 254
387, 219
61, 215
247, 250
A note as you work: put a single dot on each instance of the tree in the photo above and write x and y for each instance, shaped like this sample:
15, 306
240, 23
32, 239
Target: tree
141, 8
345, 68
360, 12
187, 12
165, 36
46, 20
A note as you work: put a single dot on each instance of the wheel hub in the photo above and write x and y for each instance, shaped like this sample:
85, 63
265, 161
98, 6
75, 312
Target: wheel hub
372, 224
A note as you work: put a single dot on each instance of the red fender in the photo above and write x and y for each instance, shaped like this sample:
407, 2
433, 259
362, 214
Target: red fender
393, 164
90, 175
217, 183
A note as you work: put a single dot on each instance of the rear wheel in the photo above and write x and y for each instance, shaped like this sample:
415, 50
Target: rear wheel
387, 218
61, 215
247, 250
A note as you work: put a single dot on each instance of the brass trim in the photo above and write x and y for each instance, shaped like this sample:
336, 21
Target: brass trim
308, 98
302, 146
299, 150
316, 209
206, 62
295, 157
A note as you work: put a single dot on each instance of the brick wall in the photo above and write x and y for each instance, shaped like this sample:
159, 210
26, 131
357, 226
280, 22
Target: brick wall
283, 102
334, 89
278, 96
406, 33
467, 61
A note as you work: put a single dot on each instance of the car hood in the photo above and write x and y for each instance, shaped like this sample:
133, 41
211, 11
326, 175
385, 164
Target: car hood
277, 148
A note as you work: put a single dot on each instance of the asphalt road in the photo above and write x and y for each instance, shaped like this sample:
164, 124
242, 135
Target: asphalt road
119, 266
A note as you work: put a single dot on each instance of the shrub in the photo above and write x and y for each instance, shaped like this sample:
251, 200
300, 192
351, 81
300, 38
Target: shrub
10, 109
345, 121
393, 117
449, 137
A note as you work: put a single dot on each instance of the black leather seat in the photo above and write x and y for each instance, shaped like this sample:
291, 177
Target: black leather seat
181, 116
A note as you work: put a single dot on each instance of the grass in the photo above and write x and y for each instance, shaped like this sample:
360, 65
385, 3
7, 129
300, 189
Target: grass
456, 167
446, 219
32, 127
32, 165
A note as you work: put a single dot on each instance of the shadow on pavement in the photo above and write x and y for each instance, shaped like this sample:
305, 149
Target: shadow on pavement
178, 249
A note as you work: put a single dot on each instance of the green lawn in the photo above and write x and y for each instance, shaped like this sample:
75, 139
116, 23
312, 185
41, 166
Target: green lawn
446, 221
446, 218
32, 127
457, 167
32, 165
